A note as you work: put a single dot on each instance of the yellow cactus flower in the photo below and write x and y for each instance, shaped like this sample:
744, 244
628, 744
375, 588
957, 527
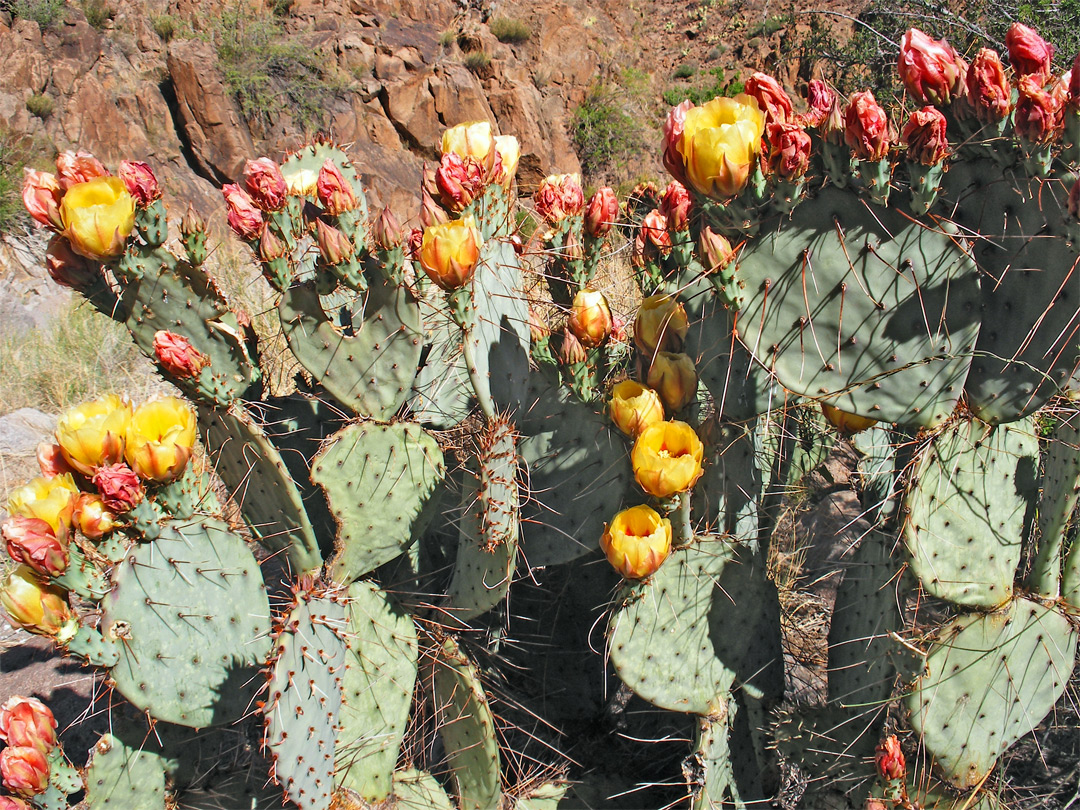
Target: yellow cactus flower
449, 252
847, 423
637, 541
98, 217
510, 153
667, 458
633, 407
674, 378
37, 607
719, 144
49, 499
161, 439
92, 434
661, 323
473, 139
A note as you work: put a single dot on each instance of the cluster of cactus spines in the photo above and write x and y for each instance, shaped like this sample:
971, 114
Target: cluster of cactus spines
448, 443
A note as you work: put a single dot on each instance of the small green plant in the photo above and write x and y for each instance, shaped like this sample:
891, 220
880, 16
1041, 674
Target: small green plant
477, 61
447, 37
701, 93
606, 133
16, 152
40, 105
768, 26
686, 70
510, 30
281, 8
165, 26
97, 12
46, 13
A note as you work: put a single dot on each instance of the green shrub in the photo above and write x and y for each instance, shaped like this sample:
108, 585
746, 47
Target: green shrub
685, 70
281, 8
720, 85
46, 13
40, 105
17, 152
447, 37
477, 61
606, 132
510, 30
165, 26
97, 12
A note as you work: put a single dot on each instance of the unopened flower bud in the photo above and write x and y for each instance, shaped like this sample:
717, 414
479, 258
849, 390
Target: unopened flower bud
1038, 115
26, 721
431, 213
265, 184
36, 607
538, 330
176, 354
675, 206
930, 69
633, 407
601, 213
559, 196
637, 541
866, 127
33, 542
119, 486
714, 250
73, 168
661, 325
789, 150
771, 98
449, 253
674, 377
335, 192
925, 138
334, 246
244, 218
889, 758
1029, 54
25, 770
590, 318
988, 90
67, 268
571, 352
387, 233
192, 222
41, 195
140, 181
272, 246
92, 517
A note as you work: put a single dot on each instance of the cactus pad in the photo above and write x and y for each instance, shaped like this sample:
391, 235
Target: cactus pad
377, 689
417, 790
379, 480
989, 680
123, 778
191, 611
972, 488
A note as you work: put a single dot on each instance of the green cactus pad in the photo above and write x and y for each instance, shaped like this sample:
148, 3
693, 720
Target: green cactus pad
52, 799
864, 307
260, 484
1060, 487
990, 680
708, 770
972, 487
379, 480
577, 472
547, 796
467, 729
172, 295
418, 790
303, 698
377, 689
363, 348
192, 613
661, 640
192, 493
488, 544
123, 778
442, 393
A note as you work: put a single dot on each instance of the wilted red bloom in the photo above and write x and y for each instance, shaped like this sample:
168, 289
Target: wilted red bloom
714, 251
140, 181
559, 196
675, 206
673, 131
335, 192
271, 246
459, 180
988, 89
177, 356
601, 213
120, 487
25, 770
27, 721
571, 352
1029, 54
73, 168
244, 218
265, 184
1038, 115
590, 318
654, 229
770, 97
334, 246
416, 239
387, 233
924, 136
889, 758
789, 150
820, 99
51, 460
67, 268
41, 195
930, 69
866, 127
34, 543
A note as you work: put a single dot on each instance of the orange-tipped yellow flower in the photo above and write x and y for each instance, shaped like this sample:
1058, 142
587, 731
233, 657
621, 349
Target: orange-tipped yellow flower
98, 217
637, 541
92, 434
92, 517
674, 377
719, 144
37, 607
667, 458
661, 325
633, 407
161, 439
48, 499
590, 318
847, 423
473, 139
449, 252
509, 154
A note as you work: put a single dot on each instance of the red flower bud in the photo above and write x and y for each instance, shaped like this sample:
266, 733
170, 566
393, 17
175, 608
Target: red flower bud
601, 213
571, 352
271, 246
265, 184
459, 180
889, 759
78, 167
33, 542
789, 150
988, 89
1029, 54
924, 136
244, 218
192, 222
820, 99
51, 460
334, 191
27, 722
654, 230
866, 127
714, 251
67, 268
334, 246
120, 487
675, 206
770, 97
1038, 115
140, 181
930, 69
431, 213
538, 330
176, 354
559, 196
25, 770
387, 233
41, 195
